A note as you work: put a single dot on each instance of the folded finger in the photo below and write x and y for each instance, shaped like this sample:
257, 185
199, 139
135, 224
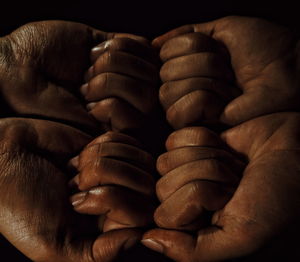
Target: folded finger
194, 108
180, 156
107, 171
202, 170
189, 208
116, 114
123, 63
116, 150
118, 204
187, 44
140, 94
125, 44
204, 64
172, 91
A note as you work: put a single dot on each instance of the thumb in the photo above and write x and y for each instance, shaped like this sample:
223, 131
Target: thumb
211, 244
107, 247
110, 244
204, 28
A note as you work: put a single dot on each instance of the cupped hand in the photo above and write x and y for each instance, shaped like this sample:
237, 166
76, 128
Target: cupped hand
229, 70
261, 218
46, 123
36, 216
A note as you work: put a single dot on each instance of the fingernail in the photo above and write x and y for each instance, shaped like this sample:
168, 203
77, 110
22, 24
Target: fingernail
130, 243
90, 106
152, 244
77, 199
84, 89
98, 50
101, 47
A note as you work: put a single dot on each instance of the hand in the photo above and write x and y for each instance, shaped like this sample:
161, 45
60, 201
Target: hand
199, 177
122, 83
116, 177
198, 78
121, 89
262, 217
45, 124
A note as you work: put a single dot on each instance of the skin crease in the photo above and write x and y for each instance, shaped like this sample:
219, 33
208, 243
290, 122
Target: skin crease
259, 220
244, 231
44, 124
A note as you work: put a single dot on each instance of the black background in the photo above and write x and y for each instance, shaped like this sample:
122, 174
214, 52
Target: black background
146, 18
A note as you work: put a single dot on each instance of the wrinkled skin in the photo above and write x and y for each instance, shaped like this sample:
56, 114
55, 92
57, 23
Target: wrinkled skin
45, 124
208, 65
259, 217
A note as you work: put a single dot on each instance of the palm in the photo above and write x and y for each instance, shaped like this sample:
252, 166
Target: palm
263, 59
42, 67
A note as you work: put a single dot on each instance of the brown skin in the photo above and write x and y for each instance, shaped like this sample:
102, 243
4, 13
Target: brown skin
115, 175
42, 68
261, 218
262, 210
207, 65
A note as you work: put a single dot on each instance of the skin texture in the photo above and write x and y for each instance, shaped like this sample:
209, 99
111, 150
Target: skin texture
250, 62
44, 124
121, 90
258, 219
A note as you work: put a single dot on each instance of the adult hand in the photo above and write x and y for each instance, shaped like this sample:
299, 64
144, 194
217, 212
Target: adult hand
41, 70
262, 217
199, 81
116, 177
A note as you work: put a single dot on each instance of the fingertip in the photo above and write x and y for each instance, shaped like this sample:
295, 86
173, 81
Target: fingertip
153, 244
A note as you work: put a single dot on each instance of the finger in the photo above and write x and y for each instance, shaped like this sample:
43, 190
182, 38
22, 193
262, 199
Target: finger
178, 157
117, 138
204, 64
135, 47
140, 94
117, 114
187, 208
119, 151
121, 205
109, 245
107, 171
211, 244
194, 108
159, 41
172, 91
193, 136
241, 109
187, 44
126, 64
138, 38
203, 170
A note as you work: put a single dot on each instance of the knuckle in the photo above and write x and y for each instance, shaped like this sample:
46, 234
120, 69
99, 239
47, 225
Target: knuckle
120, 43
159, 188
162, 163
165, 72
109, 136
105, 59
163, 93
173, 116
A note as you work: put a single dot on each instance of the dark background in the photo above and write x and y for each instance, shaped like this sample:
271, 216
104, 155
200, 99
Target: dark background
146, 18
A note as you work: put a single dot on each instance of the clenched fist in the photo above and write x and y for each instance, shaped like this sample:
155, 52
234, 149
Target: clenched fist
45, 124
116, 177
262, 215
229, 70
